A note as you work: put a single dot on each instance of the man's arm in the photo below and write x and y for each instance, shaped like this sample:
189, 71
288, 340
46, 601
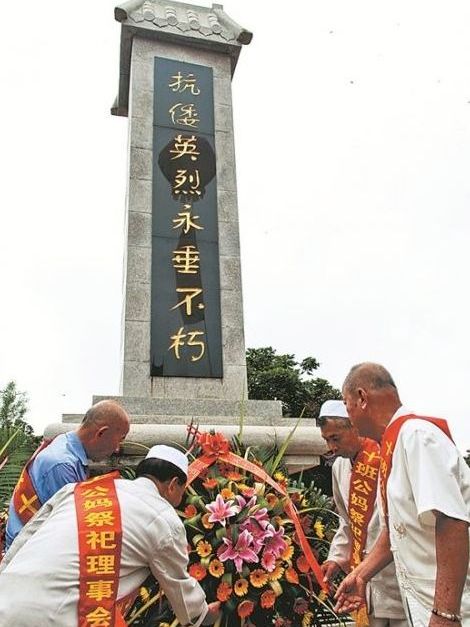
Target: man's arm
351, 593
169, 564
452, 556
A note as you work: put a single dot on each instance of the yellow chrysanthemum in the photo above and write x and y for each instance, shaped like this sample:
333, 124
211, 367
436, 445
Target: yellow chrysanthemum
279, 476
276, 573
307, 619
287, 553
144, 594
240, 587
216, 568
319, 528
259, 578
203, 548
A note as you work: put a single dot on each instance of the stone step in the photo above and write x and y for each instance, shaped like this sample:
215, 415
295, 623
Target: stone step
195, 407
207, 420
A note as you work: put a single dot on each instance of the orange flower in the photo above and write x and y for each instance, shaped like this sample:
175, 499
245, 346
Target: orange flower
287, 553
197, 571
302, 564
224, 592
233, 475
206, 522
240, 587
271, 500
189, 511
203, 548
213, 444
276, 573
226, 493
216, 568
245, 608
292, 576
259, 578
210, 483
268, 598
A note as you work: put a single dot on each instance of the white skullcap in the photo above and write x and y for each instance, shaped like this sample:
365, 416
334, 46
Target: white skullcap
333, 409
169, 454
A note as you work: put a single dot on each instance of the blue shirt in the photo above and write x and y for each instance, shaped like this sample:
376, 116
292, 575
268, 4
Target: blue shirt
63, 461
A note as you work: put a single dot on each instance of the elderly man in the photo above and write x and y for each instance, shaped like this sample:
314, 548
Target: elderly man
355, 478
94, 543
65, 460
425, 489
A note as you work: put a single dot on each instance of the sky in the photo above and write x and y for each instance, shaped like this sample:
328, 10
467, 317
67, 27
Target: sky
353, 148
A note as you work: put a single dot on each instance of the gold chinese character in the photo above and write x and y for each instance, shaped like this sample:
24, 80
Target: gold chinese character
371, 456
100, 617
99, 519
356, 517
100, 589
102, 539
184, 114
100, 564
360, 501
360, 485
181, 83
185, 146
94, 503
365, 470
91, 493
356, 531
186, 220
186, 260
187, 183
178, 342
191, 292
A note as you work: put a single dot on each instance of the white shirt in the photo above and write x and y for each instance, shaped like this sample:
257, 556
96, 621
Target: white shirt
383, 590
428, 473
39, 575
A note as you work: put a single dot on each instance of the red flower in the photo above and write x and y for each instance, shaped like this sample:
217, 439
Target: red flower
245, 608
197, 571
223, 591
189, 511
267, 599
302, 564
291, 576
210, 483
213, 444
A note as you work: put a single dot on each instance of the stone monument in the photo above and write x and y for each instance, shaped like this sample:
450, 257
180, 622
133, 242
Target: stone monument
183, 347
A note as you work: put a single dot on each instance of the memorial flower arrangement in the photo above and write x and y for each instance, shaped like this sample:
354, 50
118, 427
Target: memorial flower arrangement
255, 537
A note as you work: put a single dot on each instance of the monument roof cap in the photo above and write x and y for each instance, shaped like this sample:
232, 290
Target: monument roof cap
178, 22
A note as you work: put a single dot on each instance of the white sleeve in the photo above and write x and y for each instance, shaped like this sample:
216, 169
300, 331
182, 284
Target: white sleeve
436, 471
340, 548
169, 565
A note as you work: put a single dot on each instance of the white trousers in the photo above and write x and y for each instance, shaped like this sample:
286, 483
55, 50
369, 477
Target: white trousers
387, 622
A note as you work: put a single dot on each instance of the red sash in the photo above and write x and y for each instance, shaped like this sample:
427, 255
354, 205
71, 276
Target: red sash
25, 500
362, 495
99, 541
389, 441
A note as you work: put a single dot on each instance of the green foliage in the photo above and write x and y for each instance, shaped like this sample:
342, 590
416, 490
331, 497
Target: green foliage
17, 441
272, 376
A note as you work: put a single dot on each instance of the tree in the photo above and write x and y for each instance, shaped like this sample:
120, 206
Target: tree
272, 376
17, 440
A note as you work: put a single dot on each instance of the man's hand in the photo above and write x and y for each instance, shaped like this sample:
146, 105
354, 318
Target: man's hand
351, 594
213, 613
329, 569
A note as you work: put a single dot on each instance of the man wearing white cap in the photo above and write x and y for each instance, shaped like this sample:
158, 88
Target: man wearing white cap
355, 475
94, 543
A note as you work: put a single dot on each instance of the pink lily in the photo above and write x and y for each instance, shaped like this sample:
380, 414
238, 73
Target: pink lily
221, 510
240, 552
275, 543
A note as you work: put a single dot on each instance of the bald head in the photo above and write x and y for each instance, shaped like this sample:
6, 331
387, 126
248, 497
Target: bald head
104, 427
369, 376
371, 398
